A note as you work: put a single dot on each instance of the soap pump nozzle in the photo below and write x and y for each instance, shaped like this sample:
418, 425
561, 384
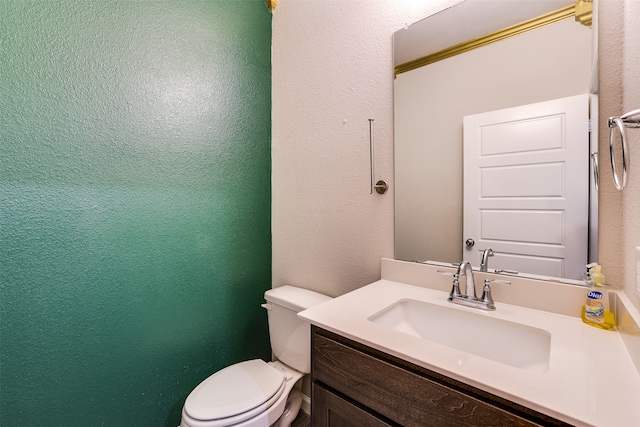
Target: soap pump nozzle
595, 274
587, 276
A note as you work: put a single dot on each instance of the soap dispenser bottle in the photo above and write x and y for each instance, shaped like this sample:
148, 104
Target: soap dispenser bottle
596, 311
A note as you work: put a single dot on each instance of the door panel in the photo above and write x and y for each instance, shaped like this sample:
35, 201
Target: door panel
543, 227
535, 134
541, 180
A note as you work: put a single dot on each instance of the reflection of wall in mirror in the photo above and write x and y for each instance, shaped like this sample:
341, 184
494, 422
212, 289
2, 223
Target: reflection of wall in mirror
551, 62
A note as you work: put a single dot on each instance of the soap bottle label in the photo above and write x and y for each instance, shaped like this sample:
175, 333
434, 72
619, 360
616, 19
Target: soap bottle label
594, 309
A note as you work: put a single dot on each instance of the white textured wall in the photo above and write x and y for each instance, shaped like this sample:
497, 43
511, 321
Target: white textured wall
332, 71
619, 92
631, 101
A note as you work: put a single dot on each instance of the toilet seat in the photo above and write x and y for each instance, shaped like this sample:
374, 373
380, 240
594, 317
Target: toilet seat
235, 393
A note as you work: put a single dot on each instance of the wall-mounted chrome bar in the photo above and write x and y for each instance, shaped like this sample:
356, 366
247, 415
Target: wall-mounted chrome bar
371, 166
628, 120
381, 186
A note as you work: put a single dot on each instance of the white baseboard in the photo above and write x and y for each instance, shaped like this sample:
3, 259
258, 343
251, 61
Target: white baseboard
306, 404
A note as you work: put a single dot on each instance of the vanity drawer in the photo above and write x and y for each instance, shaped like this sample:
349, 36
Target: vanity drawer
405, 393
339, 412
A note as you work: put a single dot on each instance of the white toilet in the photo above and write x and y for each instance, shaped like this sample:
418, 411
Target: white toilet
255, 393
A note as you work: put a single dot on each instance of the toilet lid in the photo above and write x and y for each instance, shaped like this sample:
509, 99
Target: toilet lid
233, 390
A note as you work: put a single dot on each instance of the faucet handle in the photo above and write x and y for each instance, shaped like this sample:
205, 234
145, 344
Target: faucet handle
448, 273
502, 282
486, 292
456, 276
455, 288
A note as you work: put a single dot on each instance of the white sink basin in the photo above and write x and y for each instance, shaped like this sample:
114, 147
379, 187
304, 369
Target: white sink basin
511, 343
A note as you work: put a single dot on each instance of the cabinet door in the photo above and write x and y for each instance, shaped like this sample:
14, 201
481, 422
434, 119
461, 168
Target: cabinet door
330, 410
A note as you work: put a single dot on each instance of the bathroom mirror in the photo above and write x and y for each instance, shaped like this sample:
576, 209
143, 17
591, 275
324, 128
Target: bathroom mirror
537, 52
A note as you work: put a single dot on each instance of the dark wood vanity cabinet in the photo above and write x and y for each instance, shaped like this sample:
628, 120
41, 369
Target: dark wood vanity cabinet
354, 385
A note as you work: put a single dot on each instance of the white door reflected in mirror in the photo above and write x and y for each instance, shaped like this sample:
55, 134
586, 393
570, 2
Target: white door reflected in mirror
526, 192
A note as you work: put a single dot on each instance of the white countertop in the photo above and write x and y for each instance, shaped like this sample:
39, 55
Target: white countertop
591, 380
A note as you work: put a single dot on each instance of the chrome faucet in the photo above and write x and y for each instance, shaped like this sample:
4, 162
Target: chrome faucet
484, 264
470, 284
469, 298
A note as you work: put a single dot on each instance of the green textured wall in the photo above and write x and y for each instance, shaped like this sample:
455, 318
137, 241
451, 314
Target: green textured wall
135, 240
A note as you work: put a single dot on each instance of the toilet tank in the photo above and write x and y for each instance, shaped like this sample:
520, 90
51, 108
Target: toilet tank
291, 336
